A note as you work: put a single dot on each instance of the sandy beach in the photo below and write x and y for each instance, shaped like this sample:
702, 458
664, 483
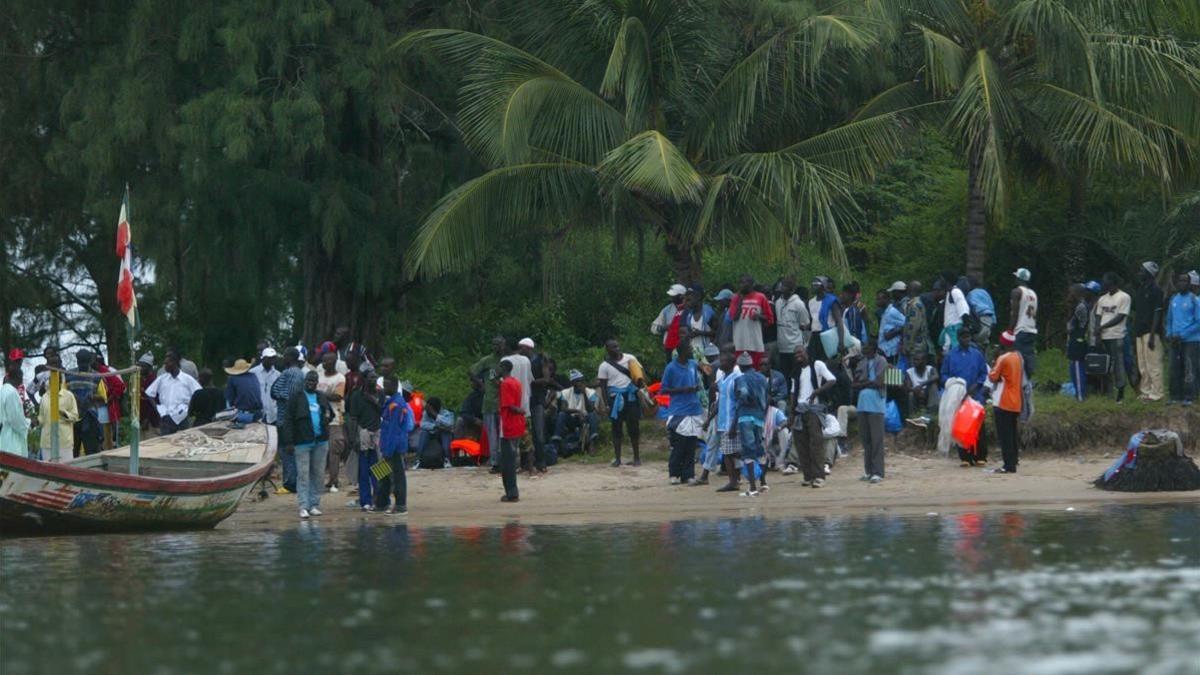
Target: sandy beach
582, 493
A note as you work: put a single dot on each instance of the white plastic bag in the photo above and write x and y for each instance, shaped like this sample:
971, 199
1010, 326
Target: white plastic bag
952, 397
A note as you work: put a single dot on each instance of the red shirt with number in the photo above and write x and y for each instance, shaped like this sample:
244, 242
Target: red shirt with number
512, 420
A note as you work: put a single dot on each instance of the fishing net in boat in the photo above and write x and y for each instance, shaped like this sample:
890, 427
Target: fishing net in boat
195, 443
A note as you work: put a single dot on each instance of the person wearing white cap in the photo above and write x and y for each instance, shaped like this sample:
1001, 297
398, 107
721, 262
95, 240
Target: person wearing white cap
535, 395
1148, 310
522, 371
577, 407
1023, 308
266, 373
667, 323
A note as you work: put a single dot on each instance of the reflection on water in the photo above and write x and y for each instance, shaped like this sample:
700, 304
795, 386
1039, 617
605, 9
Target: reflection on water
1114, 591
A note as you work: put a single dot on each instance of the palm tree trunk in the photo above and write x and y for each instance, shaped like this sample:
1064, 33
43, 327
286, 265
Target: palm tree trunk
1073, 255
976, 220
685, 260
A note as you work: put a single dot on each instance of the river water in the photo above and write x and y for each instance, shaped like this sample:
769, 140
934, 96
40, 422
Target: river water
1114, 590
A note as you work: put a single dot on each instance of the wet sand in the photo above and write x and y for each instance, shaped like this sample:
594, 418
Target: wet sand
575, 493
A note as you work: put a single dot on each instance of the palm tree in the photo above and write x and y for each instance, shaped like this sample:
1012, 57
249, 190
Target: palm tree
652, 114
1074, 86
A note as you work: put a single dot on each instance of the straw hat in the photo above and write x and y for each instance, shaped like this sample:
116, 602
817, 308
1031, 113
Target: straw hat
240, 366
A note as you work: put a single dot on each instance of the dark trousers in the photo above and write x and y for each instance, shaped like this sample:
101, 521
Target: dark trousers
508, 466
1025, 344
537, 418
169, 426
1006, 432
395, 483
981, 448
810, 446
367, 485
682, 461
870, 427
1184, 370
567, 422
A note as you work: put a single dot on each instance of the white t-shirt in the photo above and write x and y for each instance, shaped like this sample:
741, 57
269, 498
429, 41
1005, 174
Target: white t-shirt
1108, 306
1027, 312
803, 380
920, 379
616, 379
523, 372
333, 384
956, 306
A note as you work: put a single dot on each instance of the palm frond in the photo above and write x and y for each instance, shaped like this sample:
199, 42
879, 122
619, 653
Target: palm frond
945, 60
1107, 135
503, 202
512, 102
858, 148
650, 165
629, 70
983, 114
1133, 66
789, 61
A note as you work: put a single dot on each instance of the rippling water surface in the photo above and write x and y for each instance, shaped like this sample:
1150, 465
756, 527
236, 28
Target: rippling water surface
1111, 591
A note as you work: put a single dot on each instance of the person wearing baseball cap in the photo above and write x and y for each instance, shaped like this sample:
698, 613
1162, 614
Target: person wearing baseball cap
576, 408
1009, 372
1148, 314
723, 325
266, 373
667, 323
825, 312
539, 389
1022, 319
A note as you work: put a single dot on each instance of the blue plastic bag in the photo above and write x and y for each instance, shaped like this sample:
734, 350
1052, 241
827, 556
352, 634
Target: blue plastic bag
891, 418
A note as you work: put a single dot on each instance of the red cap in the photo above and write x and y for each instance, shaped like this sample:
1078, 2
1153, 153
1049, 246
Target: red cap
1007, 338
15, 354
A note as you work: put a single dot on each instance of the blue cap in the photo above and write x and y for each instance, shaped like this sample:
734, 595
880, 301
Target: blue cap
725, 294
1093, 286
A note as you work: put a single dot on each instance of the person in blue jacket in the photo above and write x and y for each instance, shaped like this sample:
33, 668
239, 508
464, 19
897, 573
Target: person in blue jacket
1183, 336
396, 423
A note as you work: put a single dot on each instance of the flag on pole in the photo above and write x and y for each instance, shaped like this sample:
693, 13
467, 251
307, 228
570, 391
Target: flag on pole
126, 298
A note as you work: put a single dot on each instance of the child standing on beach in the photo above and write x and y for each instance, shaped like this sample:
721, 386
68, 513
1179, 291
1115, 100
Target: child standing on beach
751, 394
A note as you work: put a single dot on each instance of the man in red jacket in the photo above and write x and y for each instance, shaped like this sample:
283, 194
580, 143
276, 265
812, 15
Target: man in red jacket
512, 428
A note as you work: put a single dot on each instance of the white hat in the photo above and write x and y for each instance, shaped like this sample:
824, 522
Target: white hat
1151, 267
677, 289
268, 353
526, 342
1023, 274
898, 286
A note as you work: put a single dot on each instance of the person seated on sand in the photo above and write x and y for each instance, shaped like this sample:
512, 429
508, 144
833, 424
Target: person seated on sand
921, 390
576, 408
437, 423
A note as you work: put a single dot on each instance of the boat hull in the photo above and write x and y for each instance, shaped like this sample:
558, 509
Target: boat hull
51, 498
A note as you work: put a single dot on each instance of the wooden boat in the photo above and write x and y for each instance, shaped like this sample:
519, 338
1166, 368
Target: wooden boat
190, 480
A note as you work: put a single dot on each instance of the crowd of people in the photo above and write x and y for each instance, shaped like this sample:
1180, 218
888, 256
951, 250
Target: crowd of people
753, 379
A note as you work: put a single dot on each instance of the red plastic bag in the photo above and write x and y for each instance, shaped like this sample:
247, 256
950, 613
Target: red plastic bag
967, 423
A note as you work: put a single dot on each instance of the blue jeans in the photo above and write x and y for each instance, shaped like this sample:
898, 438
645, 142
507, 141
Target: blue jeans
310, 468
566, 423
367, 485
443, 437
751, 435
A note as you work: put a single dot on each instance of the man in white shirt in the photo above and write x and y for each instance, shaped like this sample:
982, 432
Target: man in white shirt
954, 310
619, 377
793, 321
1023, 308
266, 373
173, 390
921, 385
811, 380
332, 383
1112, 311
523, 372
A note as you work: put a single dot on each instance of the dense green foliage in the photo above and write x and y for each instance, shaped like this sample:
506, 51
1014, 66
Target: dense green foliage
299, 165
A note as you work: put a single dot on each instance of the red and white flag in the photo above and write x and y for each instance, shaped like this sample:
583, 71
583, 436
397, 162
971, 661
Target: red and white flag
126, 298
